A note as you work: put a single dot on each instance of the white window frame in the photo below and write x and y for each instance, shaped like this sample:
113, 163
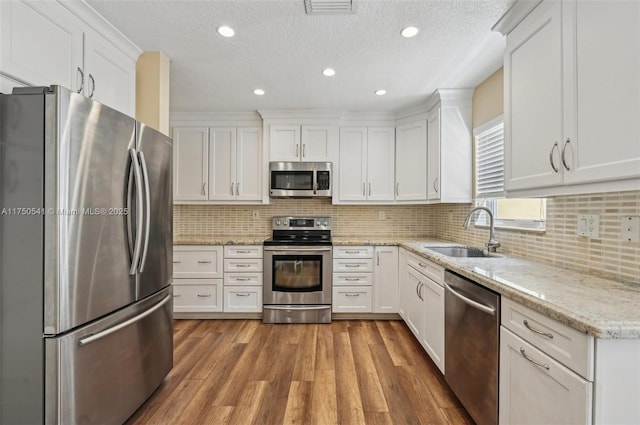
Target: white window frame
490, 200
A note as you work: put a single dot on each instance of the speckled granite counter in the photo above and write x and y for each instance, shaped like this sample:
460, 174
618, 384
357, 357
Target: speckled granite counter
219, 240
600, 307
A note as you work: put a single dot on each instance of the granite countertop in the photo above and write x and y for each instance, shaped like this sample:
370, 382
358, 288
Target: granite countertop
600, 307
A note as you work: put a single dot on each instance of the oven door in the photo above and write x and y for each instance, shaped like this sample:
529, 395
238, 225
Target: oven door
297, 275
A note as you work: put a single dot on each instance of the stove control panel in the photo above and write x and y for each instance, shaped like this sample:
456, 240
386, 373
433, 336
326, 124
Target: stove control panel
301, 223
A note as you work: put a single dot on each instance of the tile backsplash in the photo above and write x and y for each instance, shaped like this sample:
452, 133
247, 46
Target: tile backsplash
559, 245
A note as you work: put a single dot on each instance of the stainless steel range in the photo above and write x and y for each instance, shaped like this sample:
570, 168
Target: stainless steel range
298, 271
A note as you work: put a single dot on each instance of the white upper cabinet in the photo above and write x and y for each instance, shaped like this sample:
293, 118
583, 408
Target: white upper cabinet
300, 143
217, 164
366, 164
190, 163
572, 95
449, 147
46, 43
411, 162
110, 75
41, 44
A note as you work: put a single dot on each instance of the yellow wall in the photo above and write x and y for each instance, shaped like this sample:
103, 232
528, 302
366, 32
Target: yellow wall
488, 99
152, 90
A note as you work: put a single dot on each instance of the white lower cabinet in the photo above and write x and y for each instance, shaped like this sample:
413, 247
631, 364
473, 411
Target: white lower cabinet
385, 279
352, 279
197, 295
242, 279
536, 389
422, 303
243, 299
352, 299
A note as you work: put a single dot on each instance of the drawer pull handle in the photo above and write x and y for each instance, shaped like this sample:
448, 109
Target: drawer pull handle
352, 252
543, 365
242, 295
204, 262
177, 262
243, 265
352, 295
204, 296
526, 325
422, 265
352, 279
176, 295
243, 279
351, 266
243, 251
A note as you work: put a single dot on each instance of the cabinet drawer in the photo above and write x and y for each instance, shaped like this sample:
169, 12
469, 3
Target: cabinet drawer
243, 279
189, 295
352, 279
352, 265
352, 299
569, 346
243, 299
352, 252
428, 268
190, 262
243, 265
536, 389
243, 251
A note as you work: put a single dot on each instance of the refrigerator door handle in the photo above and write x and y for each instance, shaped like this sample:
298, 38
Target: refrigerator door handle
129, 201
147, 211
138, 240
94, 337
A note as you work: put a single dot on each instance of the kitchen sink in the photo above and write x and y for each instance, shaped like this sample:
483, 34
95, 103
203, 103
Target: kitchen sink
458, 251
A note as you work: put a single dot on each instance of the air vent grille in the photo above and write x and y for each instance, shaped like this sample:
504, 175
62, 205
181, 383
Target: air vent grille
329, 7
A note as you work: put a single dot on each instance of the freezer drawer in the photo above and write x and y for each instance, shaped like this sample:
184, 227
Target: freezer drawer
103, 372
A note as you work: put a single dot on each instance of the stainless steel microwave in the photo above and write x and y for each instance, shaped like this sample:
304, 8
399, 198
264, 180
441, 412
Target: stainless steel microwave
300, 179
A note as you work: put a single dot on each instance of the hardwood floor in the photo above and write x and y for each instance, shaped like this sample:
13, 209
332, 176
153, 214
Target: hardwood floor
242, 372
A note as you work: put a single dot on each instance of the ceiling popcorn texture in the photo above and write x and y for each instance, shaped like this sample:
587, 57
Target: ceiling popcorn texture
281, 49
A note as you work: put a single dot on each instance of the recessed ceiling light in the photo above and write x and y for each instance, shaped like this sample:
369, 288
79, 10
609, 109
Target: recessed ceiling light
381, 92
258, 92
226, 31
409, 32
328, 72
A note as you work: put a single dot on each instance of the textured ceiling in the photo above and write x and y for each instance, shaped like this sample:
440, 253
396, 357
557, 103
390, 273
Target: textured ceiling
282, 50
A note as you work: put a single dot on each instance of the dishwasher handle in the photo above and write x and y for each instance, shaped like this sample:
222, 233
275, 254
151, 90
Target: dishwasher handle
472, 303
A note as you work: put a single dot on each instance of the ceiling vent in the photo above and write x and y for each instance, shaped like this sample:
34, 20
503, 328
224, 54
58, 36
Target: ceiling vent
329, 7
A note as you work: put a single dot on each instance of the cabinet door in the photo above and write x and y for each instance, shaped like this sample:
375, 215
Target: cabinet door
402, 283
380, 163
433, 336
602, 105
190, 163
284, 143
433, 155
353, 152
415, 307
222, 163
41, 43
535, 389
110, 75
385, 280
316, 144
533, 100
411, 162
249, 164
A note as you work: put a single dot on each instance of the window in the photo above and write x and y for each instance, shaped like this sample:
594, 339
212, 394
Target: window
527, 214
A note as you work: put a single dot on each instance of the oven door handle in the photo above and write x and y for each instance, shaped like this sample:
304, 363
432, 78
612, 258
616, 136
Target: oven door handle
275, 248
302, 307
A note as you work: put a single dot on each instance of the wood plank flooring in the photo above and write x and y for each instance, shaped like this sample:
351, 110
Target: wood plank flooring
241, 372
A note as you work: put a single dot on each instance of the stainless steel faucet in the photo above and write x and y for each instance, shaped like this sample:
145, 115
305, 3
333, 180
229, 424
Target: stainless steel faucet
493, 244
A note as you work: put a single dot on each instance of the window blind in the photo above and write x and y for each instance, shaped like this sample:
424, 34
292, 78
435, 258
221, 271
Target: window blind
490, 162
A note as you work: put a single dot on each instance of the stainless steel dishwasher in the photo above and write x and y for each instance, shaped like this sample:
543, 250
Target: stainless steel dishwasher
472, 324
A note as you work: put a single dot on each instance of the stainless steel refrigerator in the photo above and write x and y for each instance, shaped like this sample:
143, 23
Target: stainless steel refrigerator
85, 260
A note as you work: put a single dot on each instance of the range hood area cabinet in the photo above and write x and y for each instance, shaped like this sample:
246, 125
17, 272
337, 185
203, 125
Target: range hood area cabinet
295, 142
572, 97
217, 165
99, 63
